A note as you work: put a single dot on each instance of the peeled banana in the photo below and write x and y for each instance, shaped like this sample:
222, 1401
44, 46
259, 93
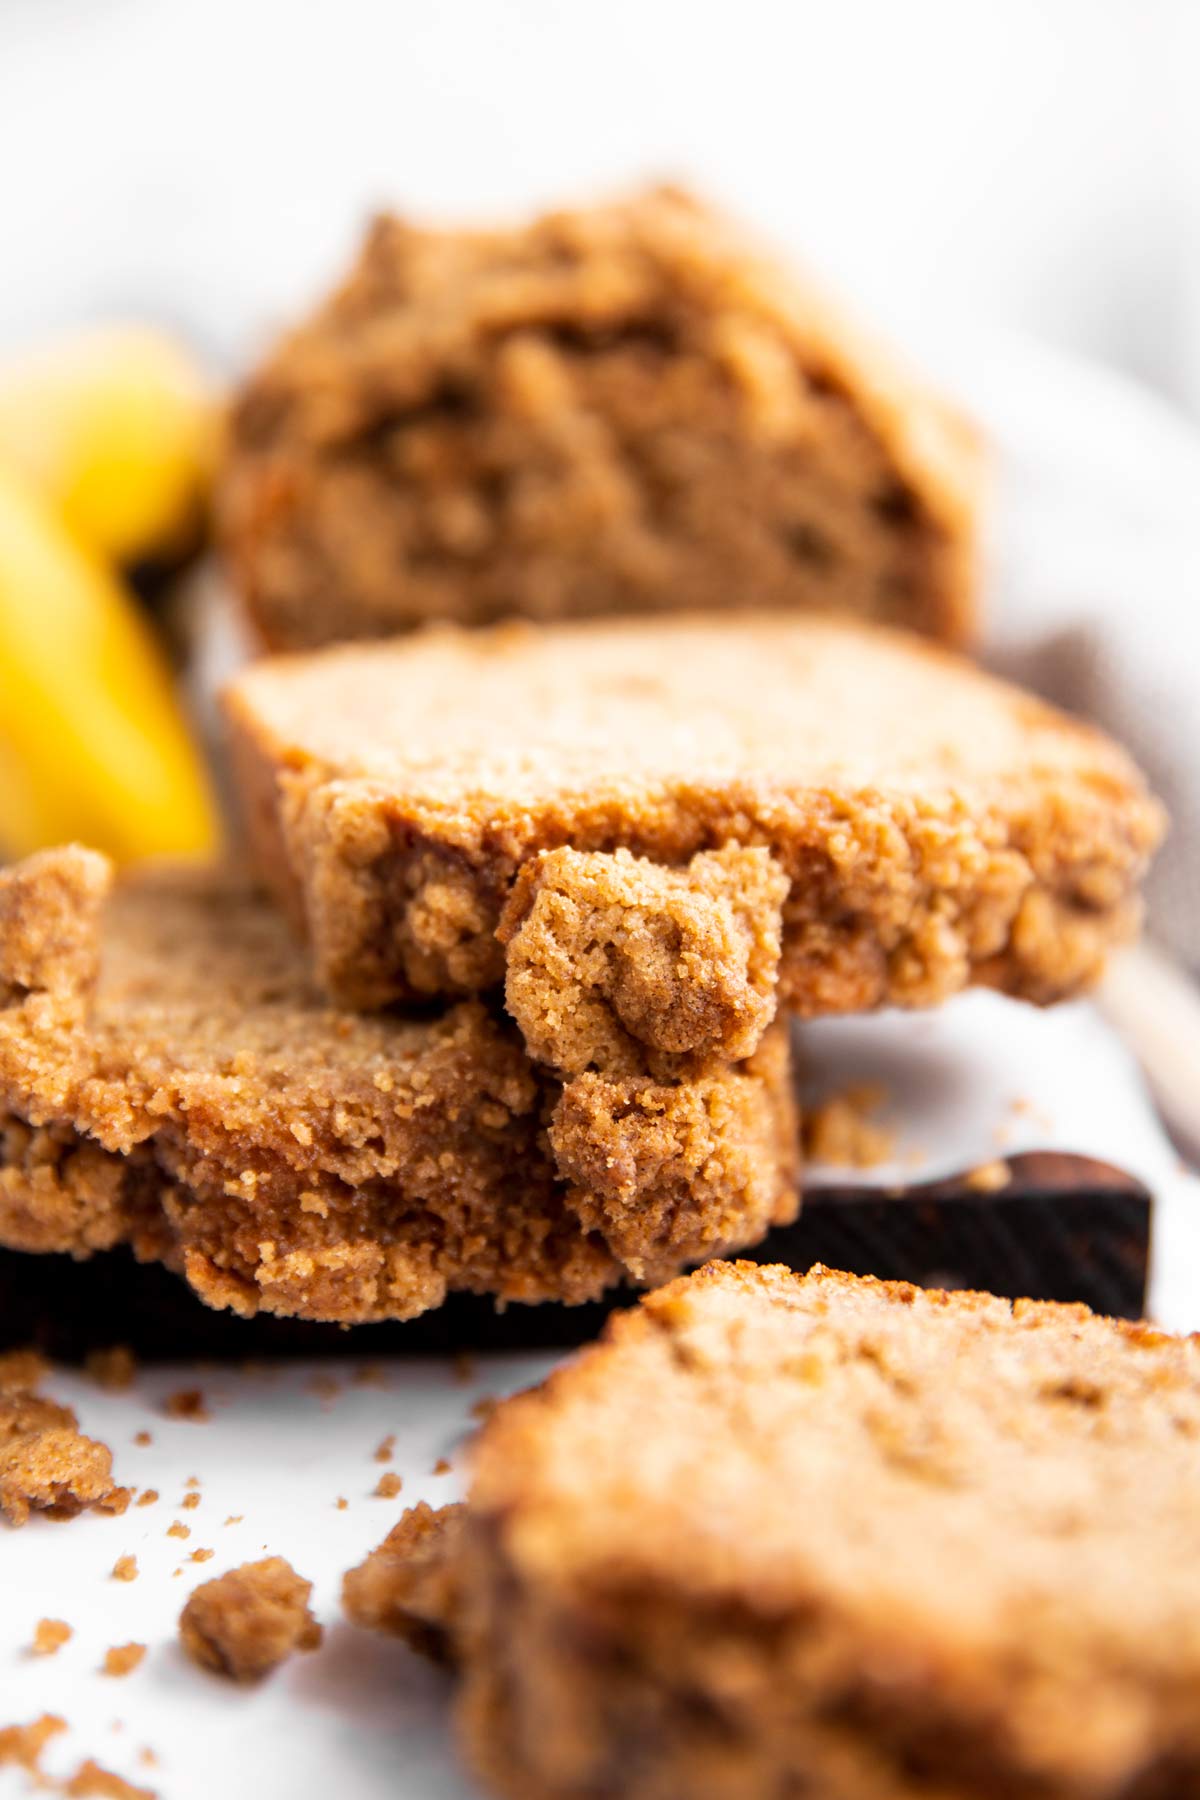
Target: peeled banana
93, 744
117, 428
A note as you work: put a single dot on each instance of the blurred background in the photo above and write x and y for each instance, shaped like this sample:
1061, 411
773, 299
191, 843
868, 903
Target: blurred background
1030, 164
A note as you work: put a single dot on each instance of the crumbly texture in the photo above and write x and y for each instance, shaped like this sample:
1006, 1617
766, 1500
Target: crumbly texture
122, 1659
934, 826
619, 964
409, 1585
841, 1132
626, 409
246, 1622
783, 1534
49, 1636
198, 1099
23, 1744
47, 1465
92, 1781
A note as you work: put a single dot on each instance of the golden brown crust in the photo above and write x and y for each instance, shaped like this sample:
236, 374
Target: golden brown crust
408, 1585
244, 1623
624, 409
935, 826
201, 1102
782, 1533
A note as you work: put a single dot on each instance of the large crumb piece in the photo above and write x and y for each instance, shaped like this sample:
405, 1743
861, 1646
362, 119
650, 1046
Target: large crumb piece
626, 408
47, 1465
245, 1622
23, 1744
122, 1659
841, 1132
617, 963
49, 1636
22, 1371
93, 1782
783, 1535
409, 1585
114, 1368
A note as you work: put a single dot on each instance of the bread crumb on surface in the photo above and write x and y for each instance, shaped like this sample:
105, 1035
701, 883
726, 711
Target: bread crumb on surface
384, 1449
484, 1408
114, 1368
235, 1518
388, 1486
22, 1371
179, 1530
244, 1623
90, 1779
464, 1367
122, 1659
147, 1497
989, 1177
341, 1503
47, 1465
186, 1403
190, 1501
441, 1466
23, 1744
202, 1555
49, 1636
325, 1387
370, 1375
409, 1585
125, 1568
143, 1438
839, 1130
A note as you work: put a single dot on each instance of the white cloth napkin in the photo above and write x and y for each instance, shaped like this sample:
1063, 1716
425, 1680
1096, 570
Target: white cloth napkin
1093, 592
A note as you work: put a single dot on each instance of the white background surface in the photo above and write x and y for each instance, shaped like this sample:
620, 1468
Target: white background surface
1031, 163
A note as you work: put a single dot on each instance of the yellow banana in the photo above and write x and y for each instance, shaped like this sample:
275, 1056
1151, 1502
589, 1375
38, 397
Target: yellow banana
92, 741
116, 426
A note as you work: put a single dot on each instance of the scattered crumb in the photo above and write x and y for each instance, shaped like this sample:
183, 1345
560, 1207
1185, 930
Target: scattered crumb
989, 1177
22, 1371
190, 1502
245, 1622
147, 1497
235, 1518
840, 1131
122, 1659
341, 1503
125, 1568
143, 1438
193, 1481
47, 1465
114, 1368
202, 1556
484, 1408
441, 1466
370, 1375
23, 1744
49, 1636
90, 1779
464, 1367
148, 1757
383, 1452
325, 1387
179, 1529
186, 1403
388, 1486
409, 1585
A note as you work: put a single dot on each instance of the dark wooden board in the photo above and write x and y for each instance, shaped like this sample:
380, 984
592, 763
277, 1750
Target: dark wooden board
1064, 1228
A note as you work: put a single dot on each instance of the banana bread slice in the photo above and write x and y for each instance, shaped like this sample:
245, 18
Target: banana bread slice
781, 1534
625, 409
170, 1078
436, 812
